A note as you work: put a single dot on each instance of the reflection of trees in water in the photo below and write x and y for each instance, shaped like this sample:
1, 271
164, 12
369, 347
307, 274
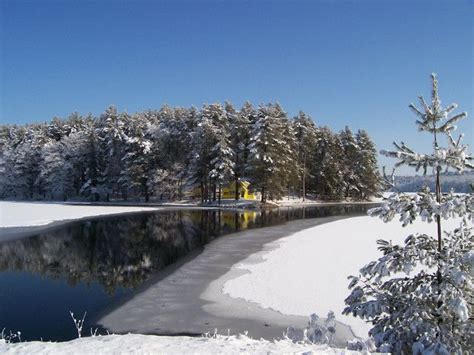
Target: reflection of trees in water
124, 251
114, 252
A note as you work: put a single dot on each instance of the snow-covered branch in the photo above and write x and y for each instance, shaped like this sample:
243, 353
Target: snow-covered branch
383, 296
425, 206
455, 156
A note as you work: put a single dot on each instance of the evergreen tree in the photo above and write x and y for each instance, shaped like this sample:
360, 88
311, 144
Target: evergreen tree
306, 138
270, 154
350, 163
111, 134
137, 171
93, 159
327, 166
239, 127
429, 311
366, 171
204, 138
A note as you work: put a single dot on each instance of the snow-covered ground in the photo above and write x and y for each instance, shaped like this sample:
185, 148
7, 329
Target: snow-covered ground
307, 272
26, 214
309, 201
150, 344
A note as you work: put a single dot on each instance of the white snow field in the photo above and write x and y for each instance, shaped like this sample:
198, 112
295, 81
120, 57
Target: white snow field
307, 272
26, 214
151, 344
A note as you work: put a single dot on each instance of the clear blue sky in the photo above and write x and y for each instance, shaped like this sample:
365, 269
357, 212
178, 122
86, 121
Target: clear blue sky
356, 63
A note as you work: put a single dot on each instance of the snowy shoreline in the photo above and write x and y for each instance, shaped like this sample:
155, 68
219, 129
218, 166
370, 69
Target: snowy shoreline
191, 299
304, 273
20, 219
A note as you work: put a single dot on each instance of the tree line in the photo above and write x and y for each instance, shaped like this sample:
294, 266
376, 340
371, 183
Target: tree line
174, 152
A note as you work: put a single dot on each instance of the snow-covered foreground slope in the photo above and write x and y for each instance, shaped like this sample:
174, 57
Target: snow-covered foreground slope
307, 272
25, 214
150, 344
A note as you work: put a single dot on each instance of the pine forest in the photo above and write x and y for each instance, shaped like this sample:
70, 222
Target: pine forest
176, 153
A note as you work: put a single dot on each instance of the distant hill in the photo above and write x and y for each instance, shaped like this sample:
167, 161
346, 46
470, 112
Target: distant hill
455, 181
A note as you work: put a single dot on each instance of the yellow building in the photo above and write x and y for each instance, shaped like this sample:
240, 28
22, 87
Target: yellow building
246, 193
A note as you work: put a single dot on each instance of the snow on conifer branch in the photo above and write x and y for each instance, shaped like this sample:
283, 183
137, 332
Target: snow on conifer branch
432, 116
455, 156
425, 206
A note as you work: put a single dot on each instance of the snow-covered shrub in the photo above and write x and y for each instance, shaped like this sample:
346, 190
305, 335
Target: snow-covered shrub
365, 346
78, 323
418, 295
9, 336
318, 331
413, 310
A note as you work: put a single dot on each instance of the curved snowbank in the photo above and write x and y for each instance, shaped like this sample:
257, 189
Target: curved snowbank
151, 344
307, 272
25, 214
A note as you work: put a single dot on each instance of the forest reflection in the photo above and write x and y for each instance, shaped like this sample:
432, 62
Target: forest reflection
124, 251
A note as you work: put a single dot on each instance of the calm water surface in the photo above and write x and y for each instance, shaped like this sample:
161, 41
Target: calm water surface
91, 265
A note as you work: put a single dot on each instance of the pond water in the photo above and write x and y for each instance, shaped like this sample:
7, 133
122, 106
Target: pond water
90, 266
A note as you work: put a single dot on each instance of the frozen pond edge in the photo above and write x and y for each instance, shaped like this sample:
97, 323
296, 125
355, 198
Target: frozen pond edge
189, 299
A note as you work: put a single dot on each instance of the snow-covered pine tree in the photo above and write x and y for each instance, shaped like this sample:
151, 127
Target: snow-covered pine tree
239, 126
93, 158
4, 153
74, 154
306, 139
26, 162
8, 141
222, 154
51, 171
203, 139
137, 171
327, 166
57, 129
111, 126
172, 136
271, 152
350, 163
172, 139
367, 175
290, 172
418, 295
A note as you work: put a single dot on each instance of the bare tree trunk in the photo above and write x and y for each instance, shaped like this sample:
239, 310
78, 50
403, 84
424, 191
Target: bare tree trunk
202, 192
147, 195
438, 199
220, 189
208, 190
237, 193
304, 177
438, 223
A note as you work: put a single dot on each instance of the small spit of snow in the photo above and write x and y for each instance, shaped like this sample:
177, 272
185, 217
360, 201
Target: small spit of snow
26, 214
